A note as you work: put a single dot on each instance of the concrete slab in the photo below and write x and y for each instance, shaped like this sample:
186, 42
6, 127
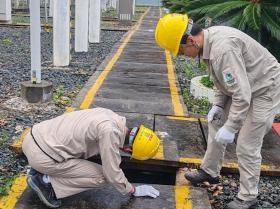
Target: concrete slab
139, 46
107, 197
154, 57
135, 119
147, 41
181, 138
132, 95
122, 105
134, 73
144, 80
128, 68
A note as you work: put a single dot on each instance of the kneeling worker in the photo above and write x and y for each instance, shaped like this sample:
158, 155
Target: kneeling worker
59, 148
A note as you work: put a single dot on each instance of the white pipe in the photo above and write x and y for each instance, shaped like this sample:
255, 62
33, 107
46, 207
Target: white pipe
103, 5
51, 8
5, 10
94, 21
133, 7
46, 11
81, 25
61, 32
35, 40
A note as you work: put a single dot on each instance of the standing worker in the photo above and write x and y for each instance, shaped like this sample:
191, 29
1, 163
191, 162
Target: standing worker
247, 94
58, 149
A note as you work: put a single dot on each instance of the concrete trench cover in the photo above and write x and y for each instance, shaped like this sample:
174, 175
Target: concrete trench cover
107, 197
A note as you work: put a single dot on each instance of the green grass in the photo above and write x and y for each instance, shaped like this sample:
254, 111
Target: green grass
5, 184
192, 69
207, 82
3, 138
7, 41
196, 105
61, 98
141, 9
110, 12
20, 19
17, 34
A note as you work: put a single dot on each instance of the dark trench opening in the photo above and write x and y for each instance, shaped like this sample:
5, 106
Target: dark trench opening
149, 172
138, 172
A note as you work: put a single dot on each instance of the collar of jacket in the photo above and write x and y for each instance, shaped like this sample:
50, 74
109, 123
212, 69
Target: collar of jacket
122, 126
206, 46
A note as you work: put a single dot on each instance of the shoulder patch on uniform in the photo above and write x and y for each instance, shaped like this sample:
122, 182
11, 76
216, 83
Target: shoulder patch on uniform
229, 79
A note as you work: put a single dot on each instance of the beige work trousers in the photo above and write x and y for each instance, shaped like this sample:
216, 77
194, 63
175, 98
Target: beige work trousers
249, 142
68, 177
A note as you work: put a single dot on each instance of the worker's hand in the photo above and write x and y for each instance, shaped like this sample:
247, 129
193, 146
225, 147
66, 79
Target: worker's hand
224, 136
216, 113
145, 190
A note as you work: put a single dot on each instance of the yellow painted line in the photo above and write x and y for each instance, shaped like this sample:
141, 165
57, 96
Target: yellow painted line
160, 153
16, 145
182, 118
177, 105
69, 109
9, 201
186, 118
232, 165
203, 120
190, 160
98, 83
182, 198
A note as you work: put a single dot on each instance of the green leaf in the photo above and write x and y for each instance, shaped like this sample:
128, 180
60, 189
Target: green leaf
271, 22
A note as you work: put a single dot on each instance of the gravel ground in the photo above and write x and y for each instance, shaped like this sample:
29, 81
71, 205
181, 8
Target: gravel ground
15, 115
269, 192
220, 195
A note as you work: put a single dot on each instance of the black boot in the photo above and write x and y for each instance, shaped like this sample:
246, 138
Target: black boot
43, 190
242, 204
200, 176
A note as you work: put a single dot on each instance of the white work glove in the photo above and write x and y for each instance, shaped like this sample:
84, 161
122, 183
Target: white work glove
216, 113
224, 136
145, 190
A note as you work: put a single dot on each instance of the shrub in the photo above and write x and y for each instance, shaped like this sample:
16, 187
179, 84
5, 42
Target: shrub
206, 81
196, 105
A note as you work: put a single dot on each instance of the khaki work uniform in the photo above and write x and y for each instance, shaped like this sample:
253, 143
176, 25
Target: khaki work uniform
247, 81
72, 138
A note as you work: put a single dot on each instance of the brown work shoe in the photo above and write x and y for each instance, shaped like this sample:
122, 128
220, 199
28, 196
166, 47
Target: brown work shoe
242, 204
200, 176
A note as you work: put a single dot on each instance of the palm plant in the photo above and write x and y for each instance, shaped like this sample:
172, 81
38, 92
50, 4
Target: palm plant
175, 5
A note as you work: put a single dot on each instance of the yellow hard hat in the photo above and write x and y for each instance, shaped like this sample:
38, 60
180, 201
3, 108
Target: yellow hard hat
170, 30
145, 144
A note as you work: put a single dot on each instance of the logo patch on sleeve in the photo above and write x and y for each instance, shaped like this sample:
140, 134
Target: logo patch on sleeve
229, 79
